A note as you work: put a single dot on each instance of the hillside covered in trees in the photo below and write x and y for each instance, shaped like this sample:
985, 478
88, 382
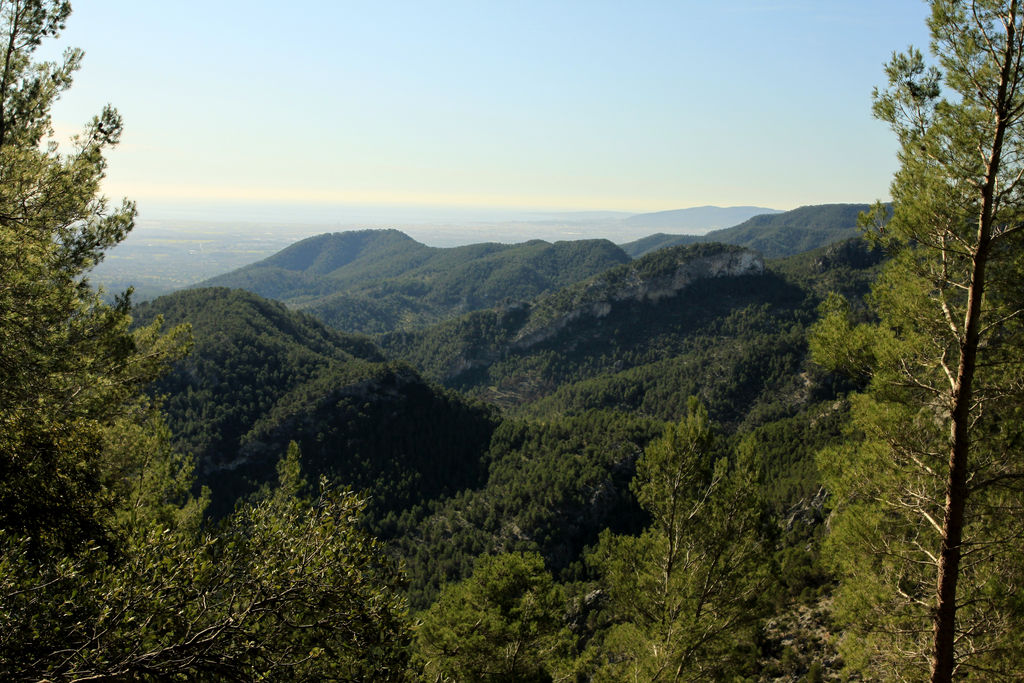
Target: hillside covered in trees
782, 452
381, 280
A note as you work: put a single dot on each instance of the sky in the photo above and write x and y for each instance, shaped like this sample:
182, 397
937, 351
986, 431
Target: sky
316, 108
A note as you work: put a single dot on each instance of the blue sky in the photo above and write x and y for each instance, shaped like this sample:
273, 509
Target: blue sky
631, 106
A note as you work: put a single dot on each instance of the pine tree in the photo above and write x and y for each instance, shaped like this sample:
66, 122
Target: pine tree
503, 623
928, 489
687, 592
107, 569
70, 367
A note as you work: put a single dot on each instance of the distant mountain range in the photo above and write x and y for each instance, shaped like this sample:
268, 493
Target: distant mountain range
696, 220
161, 258
774, 235
381, 280
378, 281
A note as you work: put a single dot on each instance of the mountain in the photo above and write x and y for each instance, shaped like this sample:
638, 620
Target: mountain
261, 376
696, 220
773, 235
632, 313
707, 319
326, 263
383, 280
586, 377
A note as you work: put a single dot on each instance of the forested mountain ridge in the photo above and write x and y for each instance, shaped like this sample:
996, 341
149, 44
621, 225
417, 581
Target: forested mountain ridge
448, 350
382, 280
261, 376
591, 394
773, 235
247, 350
591, 397
316, 265
739, 343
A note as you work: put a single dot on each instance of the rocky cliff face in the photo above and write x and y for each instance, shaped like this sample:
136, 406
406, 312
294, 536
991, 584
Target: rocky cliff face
655, 277
634, 282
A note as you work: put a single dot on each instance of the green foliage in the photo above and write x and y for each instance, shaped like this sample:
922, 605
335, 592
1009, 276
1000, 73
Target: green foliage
154, 479
69, 365
926, 485
552, 486
284, 589
841, 345
503, 623
688, 591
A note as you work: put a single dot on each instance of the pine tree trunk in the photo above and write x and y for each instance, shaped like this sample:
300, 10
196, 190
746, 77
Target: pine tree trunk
944, 625
944, 622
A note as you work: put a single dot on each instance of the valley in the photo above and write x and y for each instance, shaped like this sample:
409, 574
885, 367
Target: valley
497, 398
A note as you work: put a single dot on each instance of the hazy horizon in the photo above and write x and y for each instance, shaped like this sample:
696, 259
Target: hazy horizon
441, 109
237, 212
